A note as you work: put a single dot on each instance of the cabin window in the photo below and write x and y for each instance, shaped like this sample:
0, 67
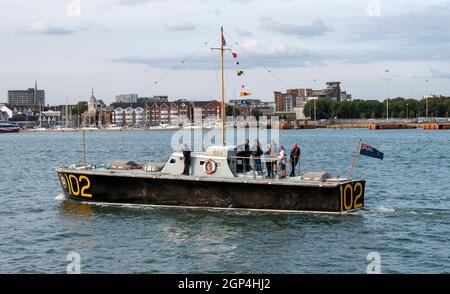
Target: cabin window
202, 162
173, 160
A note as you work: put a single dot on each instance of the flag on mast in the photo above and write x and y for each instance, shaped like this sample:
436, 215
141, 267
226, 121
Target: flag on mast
368, 150
234, 54
224, 42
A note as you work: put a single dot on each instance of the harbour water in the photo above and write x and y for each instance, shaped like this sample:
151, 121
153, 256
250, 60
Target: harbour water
406, 220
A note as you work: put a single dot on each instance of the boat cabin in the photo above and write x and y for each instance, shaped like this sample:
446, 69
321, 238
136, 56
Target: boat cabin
216, 162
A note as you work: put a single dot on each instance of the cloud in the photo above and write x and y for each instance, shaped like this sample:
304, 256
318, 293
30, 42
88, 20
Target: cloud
316, 28
132, 2
251, 56
243, 33
439, 74
421, 27
177, 25
41, 28
215, 11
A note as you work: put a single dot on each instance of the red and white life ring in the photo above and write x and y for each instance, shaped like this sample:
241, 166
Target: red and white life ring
209, 167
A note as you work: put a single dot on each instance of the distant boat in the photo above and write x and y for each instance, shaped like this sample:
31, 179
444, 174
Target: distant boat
192, 127
6, 127
89, 128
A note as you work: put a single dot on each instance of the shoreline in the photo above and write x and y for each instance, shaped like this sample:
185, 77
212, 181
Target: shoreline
369, 126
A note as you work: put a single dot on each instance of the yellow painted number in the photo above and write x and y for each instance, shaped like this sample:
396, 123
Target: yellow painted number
351, 196
85, 187
358, 186
74, 192
349, 206
78, 186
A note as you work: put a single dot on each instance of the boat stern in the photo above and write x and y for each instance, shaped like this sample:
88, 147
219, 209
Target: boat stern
351, 195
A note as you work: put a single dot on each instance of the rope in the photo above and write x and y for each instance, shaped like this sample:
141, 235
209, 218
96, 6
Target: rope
269, 71
181, 63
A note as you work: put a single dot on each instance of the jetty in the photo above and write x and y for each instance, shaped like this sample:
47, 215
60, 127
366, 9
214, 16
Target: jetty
436, 126
381, 126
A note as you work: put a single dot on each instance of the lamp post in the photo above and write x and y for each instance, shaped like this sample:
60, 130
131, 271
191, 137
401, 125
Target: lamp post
315, 107
315, 102
407, 111
426, 99
387, 93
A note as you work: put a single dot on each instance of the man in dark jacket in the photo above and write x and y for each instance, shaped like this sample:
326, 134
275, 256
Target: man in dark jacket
295, 158
187, 160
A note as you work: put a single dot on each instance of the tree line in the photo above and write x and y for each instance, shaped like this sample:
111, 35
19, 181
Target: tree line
364, 109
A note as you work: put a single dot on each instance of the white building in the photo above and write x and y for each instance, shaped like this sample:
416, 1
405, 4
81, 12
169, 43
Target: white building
5, 112
127, 98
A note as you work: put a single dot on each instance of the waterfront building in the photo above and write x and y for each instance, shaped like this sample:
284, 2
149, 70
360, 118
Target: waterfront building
207, 109
346, 96
247, 107
32, 98
286, 102
153, 99
295, 98
127, 98
163, 113
97, 114
129, 117
334, 90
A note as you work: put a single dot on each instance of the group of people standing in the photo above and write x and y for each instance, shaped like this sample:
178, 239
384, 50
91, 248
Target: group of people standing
274, 157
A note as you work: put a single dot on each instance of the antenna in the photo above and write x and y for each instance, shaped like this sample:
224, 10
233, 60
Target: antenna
84, 149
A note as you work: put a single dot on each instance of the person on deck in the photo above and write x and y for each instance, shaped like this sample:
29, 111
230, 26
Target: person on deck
269, 162
257, 157
187, 160
282, 162
246, 154
295, 158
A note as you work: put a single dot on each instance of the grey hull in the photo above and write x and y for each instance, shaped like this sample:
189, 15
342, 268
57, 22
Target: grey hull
190, 192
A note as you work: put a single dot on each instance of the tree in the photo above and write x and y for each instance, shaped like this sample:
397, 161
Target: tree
256, 113
232, 110
81, 107
365, 109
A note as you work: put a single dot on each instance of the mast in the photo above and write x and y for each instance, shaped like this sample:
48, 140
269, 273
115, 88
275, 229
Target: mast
222, 44
222, 90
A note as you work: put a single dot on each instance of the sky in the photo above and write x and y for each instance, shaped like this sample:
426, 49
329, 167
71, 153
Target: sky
163, 47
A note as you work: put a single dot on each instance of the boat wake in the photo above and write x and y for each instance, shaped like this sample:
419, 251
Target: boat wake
60, 197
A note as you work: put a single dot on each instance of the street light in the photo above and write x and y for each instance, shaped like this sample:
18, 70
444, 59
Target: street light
426, 99
387, 94
315, 107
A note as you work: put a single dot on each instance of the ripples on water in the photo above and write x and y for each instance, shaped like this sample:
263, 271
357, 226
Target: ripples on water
407, 216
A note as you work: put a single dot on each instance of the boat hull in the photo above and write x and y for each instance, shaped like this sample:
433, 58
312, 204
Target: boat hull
9, 130
190, 192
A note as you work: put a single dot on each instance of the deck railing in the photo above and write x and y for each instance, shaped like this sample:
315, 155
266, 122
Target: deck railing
259, 167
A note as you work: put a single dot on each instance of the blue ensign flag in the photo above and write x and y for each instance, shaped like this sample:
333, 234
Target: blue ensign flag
368, 150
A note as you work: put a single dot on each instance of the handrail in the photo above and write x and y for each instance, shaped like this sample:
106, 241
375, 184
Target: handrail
262, 169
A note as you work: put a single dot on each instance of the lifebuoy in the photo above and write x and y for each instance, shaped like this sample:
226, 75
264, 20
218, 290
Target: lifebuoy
209, 167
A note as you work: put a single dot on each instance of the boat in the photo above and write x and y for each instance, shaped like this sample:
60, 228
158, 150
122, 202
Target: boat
6, 127
219, 178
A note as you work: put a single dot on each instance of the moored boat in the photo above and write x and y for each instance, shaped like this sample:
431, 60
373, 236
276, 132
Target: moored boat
6, 127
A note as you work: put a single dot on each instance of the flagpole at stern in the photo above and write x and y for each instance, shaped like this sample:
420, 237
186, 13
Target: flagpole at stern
355, 158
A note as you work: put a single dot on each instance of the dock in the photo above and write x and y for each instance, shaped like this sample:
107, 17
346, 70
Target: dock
391, 126
436, 126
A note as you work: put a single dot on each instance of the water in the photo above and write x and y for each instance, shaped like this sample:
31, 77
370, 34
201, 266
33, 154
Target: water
407, 220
